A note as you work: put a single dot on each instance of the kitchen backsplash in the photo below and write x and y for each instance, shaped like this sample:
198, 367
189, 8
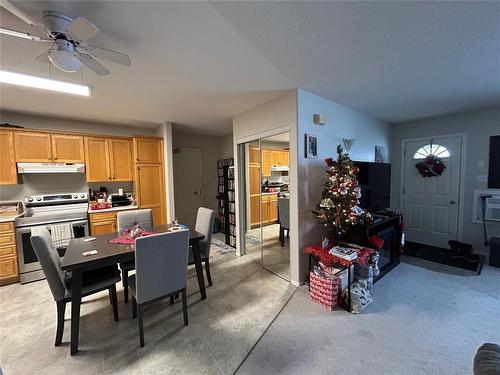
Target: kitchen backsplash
56, 183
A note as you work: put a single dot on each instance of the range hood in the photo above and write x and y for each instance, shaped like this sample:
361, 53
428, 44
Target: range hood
50, 168
279, 168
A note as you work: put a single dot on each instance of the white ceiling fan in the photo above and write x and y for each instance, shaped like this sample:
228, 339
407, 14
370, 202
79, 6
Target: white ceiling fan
68, 37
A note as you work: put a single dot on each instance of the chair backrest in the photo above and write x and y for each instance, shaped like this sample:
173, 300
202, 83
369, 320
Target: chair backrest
50, 261
205, 225
284, 212
160, 264
129, 219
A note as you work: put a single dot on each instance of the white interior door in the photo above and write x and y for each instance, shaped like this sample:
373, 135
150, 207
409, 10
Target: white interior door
431, 204
187, 185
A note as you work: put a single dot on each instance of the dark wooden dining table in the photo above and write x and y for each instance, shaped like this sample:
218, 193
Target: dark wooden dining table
110, 254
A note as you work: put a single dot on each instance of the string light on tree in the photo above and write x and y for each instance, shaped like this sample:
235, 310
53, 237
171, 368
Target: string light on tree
338, 208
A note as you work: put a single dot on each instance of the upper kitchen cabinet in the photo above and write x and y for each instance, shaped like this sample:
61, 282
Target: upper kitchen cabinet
253, 155
97, 159
266, 162
7, 161
67, 148
120, 159
41, 147
148, 150
108, 159
32, 147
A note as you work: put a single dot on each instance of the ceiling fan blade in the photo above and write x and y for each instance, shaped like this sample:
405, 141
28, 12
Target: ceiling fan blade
44, 57
107, 54
18, 13
23, 35
93, 64
81, 29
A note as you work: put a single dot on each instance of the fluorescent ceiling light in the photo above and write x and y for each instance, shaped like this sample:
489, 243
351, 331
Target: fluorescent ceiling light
43, 83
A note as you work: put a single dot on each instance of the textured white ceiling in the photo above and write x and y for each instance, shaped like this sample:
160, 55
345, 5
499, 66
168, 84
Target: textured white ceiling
198, 63
397, 61
189, 66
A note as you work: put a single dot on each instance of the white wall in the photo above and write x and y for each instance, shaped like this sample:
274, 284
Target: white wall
62, 124
342, 122
295, 111
33, 184
227, 146
274, 117
479, 126
165, 131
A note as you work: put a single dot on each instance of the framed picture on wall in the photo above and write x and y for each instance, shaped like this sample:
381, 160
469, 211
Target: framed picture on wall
379, 154
311, 146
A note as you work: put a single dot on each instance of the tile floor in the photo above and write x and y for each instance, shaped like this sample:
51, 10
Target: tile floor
276, 258
222, 329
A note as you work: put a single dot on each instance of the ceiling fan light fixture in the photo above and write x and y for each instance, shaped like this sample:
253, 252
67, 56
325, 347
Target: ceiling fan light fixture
63, 57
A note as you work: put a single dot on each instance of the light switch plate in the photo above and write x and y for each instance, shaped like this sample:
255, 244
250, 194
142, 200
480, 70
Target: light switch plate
482, 178
480, 163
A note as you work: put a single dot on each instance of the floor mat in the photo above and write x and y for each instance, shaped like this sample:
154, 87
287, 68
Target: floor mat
444, 256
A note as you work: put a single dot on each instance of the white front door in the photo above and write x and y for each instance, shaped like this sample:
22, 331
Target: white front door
187, 185
431, 204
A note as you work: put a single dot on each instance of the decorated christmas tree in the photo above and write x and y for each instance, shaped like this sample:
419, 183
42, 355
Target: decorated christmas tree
338, 208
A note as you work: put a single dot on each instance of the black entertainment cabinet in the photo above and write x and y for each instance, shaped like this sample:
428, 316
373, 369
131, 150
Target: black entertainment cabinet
389, 229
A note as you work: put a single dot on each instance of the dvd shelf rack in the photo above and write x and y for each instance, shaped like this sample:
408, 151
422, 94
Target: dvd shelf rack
226, 196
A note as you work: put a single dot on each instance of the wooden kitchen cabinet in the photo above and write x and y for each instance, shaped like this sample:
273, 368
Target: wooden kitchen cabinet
253, 155
120, 159
32, 147
267, 156
254, 210
103, 227
97, 159
67, 148
267, 206
9, 270
284, 158
273, 209
149, 181
8, 173
108, 159
148, 150
254, 175
150, 191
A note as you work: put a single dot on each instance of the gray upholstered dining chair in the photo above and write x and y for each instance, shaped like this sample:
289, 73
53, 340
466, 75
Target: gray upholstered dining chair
60, 282
205, 225
160, 271
129, 219
284, 218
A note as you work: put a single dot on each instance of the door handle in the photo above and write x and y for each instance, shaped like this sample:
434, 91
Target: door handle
453, 201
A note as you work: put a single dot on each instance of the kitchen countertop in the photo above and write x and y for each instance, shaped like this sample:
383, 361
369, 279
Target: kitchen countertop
119, 208
7, 218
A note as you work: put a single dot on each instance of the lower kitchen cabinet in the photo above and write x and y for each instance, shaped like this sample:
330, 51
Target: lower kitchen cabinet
9, 270
268, 208
102, 227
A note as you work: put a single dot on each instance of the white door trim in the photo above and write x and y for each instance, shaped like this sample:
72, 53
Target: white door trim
264, 134
463, 154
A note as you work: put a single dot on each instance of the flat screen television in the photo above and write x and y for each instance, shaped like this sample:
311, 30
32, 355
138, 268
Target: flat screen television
375, 182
